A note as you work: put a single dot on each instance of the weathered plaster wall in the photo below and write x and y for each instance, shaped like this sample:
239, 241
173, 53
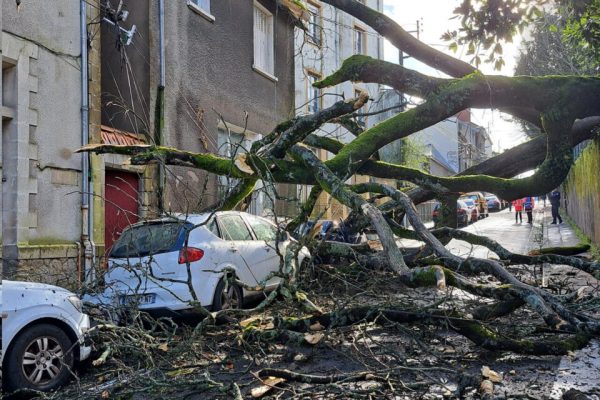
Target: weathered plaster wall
581, 195
209, 78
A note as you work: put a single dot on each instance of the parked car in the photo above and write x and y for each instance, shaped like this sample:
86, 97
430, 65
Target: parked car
148, 265
462, 213
493, 202
480, 201
326, 229
43, 329
473, 209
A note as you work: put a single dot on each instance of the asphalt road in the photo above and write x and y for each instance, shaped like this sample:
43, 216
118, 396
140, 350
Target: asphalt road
552, 376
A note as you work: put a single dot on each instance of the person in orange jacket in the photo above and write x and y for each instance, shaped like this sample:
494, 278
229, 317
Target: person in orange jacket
518, 204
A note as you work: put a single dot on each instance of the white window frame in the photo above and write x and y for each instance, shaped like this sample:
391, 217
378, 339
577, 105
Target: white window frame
202, 8
314, 34
264, 50
313, 95
363, 35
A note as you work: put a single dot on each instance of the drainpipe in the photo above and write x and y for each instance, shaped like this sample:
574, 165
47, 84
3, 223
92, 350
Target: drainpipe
86, 212
160, 103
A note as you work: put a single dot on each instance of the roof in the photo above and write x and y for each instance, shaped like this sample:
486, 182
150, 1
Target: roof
437, 156
118, 137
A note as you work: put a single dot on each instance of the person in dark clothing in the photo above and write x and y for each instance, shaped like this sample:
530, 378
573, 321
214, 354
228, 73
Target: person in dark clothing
528, 205
555, 202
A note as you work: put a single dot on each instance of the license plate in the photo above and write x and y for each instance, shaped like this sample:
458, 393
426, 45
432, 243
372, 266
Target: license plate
138, 299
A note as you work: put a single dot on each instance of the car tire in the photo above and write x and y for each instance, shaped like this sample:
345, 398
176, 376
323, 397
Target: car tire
41, 358
227, 296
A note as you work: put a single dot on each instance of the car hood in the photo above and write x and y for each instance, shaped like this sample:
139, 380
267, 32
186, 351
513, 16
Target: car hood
21, 286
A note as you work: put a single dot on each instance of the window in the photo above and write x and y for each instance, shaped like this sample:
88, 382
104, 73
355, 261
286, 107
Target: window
213, 227
149, 239
263, 40
314, 24
202, 8
230, 145
234, 228
360, 42
262, 229
313, 94
203, 4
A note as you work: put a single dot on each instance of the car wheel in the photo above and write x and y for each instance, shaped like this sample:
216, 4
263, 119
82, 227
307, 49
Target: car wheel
227, 296
40, 358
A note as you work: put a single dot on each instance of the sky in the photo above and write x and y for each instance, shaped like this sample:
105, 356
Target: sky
434, 18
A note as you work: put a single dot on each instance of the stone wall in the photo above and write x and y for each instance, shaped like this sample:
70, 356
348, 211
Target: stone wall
56, 264
581, 191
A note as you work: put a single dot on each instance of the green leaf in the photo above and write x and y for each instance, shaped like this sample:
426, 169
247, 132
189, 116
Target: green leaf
471, 49
453, 46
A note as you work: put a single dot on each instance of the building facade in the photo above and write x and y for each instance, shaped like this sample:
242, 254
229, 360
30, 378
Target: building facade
199, 75
44, 198
332, 37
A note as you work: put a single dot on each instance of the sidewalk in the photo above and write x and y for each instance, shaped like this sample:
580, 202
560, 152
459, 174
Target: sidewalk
544, 234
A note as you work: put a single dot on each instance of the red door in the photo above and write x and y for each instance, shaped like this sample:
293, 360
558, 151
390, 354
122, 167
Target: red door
121, 204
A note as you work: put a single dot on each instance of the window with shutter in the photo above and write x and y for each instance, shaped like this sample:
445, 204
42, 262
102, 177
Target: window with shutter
263, 39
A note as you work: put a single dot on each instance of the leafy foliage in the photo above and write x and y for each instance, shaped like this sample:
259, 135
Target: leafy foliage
486, 24
549, 51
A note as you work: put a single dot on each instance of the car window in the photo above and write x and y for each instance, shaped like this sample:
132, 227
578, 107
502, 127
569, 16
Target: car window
149, 239
213, 227
234, 228
262, 229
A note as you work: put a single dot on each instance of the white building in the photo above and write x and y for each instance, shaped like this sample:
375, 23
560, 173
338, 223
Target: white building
332, 37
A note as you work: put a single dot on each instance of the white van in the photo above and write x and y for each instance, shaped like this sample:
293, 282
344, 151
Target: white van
42, 335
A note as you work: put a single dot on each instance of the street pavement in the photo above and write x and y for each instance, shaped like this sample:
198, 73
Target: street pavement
580, 370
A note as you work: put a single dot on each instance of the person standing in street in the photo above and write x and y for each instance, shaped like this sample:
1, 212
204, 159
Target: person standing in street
528, 204
518, 204
555, 203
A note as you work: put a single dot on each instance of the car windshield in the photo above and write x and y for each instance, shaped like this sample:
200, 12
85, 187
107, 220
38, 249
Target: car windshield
149, 239
473, 197
469, 203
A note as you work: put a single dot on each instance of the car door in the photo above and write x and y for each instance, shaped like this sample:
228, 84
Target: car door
241, 242
267, 259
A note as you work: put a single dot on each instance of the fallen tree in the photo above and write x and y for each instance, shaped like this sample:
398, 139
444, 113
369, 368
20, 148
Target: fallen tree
566, 109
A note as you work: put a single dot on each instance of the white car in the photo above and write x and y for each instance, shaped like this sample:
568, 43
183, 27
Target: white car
162, 266
43, 331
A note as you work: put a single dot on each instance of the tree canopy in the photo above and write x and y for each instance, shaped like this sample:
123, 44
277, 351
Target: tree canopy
565, 108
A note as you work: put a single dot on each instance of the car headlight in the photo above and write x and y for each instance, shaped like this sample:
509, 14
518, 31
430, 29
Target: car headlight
77, 303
